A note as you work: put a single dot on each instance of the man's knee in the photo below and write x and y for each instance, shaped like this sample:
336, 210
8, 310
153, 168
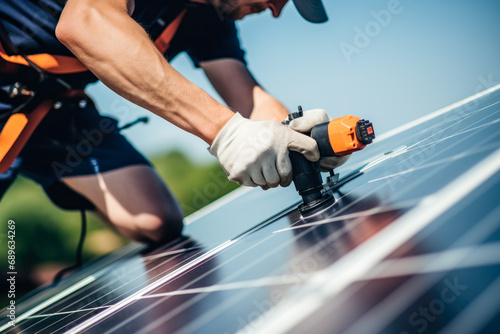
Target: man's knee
159, 228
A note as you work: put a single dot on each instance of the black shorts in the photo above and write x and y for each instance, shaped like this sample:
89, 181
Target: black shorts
72, 140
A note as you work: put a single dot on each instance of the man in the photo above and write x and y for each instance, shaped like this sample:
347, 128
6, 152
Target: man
116, 48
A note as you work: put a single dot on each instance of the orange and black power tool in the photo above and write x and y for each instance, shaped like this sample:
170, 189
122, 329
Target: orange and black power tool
338, 137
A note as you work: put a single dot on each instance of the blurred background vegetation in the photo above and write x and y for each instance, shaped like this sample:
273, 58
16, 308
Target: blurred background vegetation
46, 236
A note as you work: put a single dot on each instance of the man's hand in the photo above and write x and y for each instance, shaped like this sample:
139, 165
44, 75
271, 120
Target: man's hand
306, 123
256, 153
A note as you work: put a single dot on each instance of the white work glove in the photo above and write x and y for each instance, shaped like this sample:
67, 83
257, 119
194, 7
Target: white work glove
306, 123
256, 153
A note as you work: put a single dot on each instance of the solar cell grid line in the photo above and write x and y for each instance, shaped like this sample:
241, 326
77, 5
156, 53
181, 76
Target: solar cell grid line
401, 298
348, 216
181, 307
437, 119
482, 230
466, 154
141, 312
129, 249
462, 121
24, 328
168, 253
158, 323
191, 282
427, 137
268, 202
169, 315
41, 306
468, 133
374, 250
419, 144
129, 291
385, 331
385, 145
456, 134
468, 235
67, 312
106, 270
445, 171
472, 256
426, 240
81, 282
239, 238
88, 323
388, 154
430, 157
109, 283
199, 322
487, 94
257, 282
456, 279
117, 326
213, 310
86, 305
194, 326
351, 304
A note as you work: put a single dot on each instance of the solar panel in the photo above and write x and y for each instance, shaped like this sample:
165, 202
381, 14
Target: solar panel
411, 245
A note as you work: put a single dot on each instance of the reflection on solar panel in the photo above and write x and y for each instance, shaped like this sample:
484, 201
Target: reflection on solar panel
410, 246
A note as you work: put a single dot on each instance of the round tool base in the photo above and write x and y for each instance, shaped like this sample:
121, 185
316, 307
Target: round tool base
314, 207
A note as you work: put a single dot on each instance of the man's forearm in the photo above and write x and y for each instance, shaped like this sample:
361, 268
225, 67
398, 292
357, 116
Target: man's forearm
266, 107
119, 52
236, 85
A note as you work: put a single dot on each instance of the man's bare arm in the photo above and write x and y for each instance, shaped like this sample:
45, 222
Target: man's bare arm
236, 85
103, 36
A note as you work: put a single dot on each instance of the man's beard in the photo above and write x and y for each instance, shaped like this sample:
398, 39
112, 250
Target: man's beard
227, 7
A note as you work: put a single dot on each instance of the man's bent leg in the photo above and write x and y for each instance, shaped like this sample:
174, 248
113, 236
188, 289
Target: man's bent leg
134, 200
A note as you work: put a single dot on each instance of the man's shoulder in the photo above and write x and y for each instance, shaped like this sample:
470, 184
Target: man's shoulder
200, 19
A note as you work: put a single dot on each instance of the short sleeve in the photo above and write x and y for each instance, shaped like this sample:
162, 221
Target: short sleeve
206, 36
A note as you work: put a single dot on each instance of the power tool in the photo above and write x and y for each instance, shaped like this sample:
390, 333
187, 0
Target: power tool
338, 137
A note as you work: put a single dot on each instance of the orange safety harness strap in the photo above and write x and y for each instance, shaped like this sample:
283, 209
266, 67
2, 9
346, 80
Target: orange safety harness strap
163, 41
16, 132
20, 126
48, 63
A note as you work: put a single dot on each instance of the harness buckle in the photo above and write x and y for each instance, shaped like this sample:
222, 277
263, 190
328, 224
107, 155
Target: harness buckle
17, 89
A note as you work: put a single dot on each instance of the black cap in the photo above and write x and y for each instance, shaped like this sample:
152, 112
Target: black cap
311, 10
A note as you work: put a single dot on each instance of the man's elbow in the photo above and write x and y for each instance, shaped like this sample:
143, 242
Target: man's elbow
76, 23
64, 32
69, 30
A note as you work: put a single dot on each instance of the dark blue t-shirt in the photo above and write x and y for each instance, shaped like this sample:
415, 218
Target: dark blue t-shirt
29, 28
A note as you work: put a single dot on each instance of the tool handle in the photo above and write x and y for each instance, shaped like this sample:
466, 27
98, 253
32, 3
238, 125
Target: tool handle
306, 177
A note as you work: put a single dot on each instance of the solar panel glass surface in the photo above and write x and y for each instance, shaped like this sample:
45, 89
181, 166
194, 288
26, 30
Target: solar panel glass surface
409, 246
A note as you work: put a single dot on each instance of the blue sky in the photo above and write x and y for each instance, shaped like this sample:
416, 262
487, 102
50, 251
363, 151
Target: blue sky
387, 61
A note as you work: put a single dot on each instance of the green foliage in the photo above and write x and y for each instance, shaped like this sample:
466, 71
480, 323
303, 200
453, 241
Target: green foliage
195, 186
47, 234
